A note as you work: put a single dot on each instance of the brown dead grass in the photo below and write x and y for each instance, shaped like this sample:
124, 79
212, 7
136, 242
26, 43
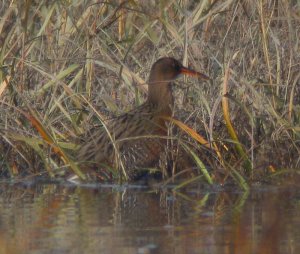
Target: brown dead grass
55, 56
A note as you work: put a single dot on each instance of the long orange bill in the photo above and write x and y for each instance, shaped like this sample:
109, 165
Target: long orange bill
190, 72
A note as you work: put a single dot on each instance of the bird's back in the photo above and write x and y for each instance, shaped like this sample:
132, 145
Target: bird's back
136, 138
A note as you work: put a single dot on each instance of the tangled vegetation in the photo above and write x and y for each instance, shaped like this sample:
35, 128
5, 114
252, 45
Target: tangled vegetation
68, 65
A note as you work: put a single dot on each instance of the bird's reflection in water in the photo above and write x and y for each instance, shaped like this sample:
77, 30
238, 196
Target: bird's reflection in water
48, 218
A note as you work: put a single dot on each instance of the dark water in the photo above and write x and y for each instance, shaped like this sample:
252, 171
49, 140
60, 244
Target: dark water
60, 218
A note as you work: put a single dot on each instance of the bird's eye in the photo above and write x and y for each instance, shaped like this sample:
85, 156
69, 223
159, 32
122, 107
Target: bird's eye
174, 64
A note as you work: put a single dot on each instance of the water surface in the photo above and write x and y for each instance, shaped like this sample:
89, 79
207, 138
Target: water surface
64, 218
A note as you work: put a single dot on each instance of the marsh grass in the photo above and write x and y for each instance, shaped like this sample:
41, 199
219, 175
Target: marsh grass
68, 65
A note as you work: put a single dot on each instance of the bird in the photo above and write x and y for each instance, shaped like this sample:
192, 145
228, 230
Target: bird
135, 140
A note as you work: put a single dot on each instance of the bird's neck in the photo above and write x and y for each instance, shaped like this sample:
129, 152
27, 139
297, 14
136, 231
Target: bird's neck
160, 96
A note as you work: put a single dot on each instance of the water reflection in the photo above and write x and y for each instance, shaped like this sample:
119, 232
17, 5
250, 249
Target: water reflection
56, 218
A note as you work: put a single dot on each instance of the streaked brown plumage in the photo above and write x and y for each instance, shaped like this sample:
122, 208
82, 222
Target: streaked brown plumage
139, 136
